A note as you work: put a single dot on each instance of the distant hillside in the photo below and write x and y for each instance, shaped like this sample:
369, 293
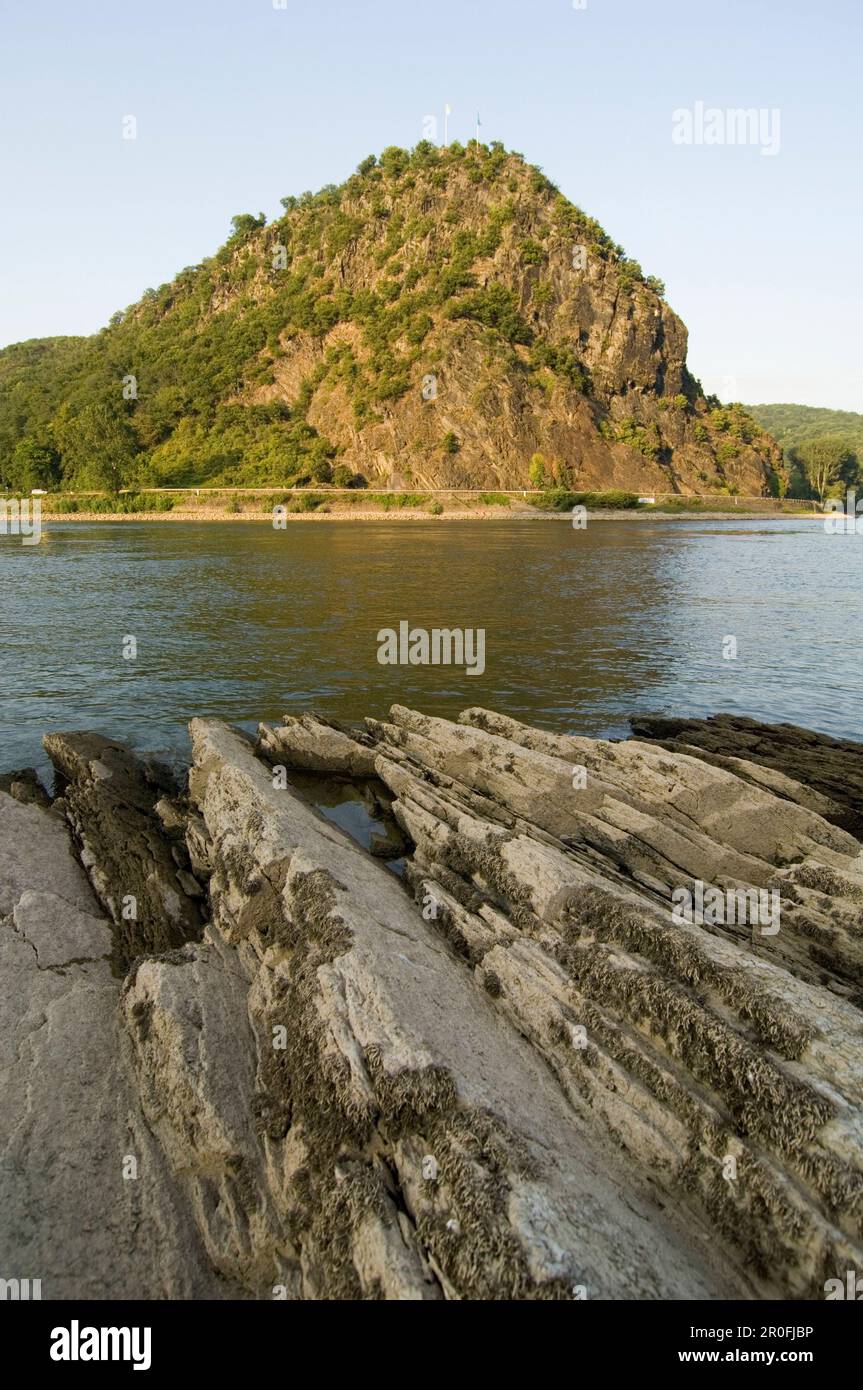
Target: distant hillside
35, 378
793, 424
444, 318
804, 430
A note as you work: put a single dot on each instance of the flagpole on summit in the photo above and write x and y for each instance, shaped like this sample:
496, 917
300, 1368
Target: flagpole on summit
478, 124
447, 112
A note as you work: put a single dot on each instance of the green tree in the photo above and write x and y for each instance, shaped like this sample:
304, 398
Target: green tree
823, 462
779, 480
35, 464
536, 471
245, 222
394, 160
99, 448
496, 306
320, 470
424, 153
850, 471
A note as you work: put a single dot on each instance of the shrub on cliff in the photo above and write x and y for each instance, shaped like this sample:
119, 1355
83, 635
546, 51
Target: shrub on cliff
496, 307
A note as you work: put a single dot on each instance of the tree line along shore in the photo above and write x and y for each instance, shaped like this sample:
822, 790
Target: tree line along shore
275, 505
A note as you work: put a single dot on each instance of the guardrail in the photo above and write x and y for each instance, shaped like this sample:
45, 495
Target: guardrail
325, 490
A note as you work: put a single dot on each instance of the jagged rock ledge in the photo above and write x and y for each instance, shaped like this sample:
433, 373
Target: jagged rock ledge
240, 1057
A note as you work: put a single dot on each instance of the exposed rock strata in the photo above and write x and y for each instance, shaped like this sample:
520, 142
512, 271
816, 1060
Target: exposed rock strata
315, 745
824, 773
24, 786
115, 806
87, 1202
693, 1044
528, 1083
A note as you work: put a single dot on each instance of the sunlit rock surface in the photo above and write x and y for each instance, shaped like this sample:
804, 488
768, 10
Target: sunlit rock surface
519, 1070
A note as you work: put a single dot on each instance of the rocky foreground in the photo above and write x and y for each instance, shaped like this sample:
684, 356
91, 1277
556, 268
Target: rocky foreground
240, 1057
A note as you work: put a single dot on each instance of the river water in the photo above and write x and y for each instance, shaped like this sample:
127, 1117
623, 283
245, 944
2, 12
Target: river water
582, 628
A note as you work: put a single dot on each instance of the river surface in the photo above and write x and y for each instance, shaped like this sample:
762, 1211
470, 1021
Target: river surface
583, 628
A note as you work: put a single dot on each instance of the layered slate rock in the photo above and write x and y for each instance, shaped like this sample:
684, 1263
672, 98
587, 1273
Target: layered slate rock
24, 786
398, 1138
114, 804
513, 1074
824, 773
87, 1203
315, 745
726, 1063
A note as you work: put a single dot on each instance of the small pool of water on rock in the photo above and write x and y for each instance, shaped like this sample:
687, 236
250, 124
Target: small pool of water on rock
362, 809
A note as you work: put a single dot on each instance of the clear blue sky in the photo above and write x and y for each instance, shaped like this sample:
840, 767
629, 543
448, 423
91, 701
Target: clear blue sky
238, 103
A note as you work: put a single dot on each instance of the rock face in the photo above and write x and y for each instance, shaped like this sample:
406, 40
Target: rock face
24, 786
618, 409
312, 745
526, 1077
435, 322
823, 773
87, 1203
112, 803
696, 1044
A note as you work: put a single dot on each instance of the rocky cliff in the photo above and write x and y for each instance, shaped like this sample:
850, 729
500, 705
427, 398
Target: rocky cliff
241, 1057
443, 318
